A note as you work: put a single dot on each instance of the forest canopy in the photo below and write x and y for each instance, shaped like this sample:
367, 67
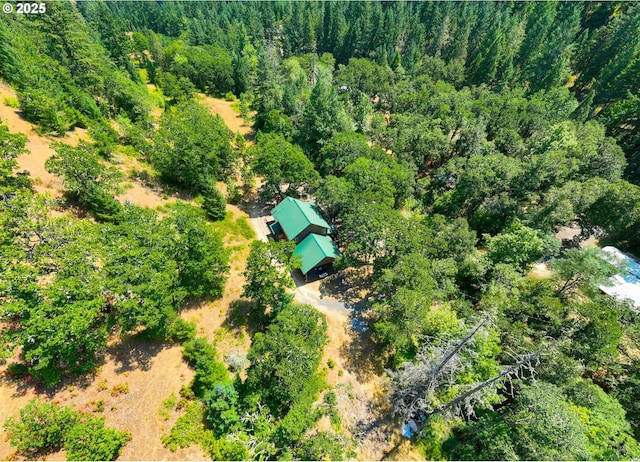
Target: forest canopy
447, 142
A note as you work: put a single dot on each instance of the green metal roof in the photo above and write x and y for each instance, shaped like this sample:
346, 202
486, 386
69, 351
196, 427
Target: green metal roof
295, 216
315, 248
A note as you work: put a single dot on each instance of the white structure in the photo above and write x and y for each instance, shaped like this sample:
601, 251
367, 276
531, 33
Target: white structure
626, 285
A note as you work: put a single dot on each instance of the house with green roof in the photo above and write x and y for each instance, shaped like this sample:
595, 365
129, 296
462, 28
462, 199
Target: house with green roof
316, 250
297, 219
302, 223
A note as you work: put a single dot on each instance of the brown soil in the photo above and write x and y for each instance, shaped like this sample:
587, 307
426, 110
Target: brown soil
134, 191
230, 116
361, 402
151, 371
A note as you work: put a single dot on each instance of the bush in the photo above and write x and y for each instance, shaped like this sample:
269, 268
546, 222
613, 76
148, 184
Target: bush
323, 446
42, 426
301, 415
223, 449
209, 372
181, 331
51, 114
233, 192
11, 102
89, 439
188, 429
236, 360
221, 404
46, 427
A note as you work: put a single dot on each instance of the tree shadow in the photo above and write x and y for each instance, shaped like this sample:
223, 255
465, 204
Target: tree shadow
362, 355
243, 314
70, 204
255, 205
134, 353
17, 375
351, 286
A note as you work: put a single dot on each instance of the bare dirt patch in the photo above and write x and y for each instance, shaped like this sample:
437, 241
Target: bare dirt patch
231, 117
134, 191
540, 271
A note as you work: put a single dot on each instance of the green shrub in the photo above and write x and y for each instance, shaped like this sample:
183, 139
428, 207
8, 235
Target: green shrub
89, 439
189, 428
46, 427
11, 102
42, 426
223, 449
181, 331
214, 204
233, 192
301, 415
323, 446
221, 404
209, 372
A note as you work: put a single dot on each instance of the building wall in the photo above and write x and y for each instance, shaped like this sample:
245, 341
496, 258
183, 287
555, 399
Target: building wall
324, 261
308, 230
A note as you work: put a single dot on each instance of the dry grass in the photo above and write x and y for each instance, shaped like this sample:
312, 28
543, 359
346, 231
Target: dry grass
230, 116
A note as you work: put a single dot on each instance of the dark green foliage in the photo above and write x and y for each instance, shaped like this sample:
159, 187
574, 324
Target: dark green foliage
268, 283
301, 416
89, 439
284, 358
11, 146
597, 335
64, 75
181, 331
322, 446
105, 138
200, 255
178, 90
214, 203
201, 355
100, 277
323, 117
192, 147
283, 165
221, 402
207, 68
545, 426
520, 246
87, 179
584, 423
581, 269
279, 124
42, 427
46, 427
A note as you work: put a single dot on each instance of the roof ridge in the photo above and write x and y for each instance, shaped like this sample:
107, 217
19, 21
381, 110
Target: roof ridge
297, 202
